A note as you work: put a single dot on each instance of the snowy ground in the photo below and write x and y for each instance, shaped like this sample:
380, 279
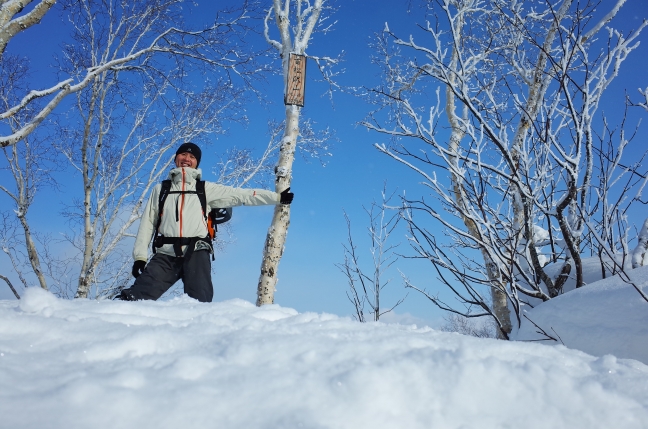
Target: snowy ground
606, 317
183, 364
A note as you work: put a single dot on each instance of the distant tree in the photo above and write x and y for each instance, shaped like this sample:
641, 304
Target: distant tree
639, 253
468, 326
366, 284
26, 164
29, 165
509, 145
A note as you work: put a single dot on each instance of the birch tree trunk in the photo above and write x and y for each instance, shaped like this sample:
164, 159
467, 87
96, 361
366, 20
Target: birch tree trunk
10, 26
639, 253
306, 17
32, 253
498, 294
276, 238
27, 181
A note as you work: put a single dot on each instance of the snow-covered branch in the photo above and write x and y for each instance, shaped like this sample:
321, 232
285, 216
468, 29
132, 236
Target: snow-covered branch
10, 26
514, 145
137, 53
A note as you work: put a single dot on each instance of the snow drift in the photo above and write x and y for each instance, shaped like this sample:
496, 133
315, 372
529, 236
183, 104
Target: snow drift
606, 317
183, 364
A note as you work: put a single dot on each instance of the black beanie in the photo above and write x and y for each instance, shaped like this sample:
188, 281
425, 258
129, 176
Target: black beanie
192, 149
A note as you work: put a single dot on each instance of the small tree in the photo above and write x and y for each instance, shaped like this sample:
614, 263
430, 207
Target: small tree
29, 165
365, 286
468, 326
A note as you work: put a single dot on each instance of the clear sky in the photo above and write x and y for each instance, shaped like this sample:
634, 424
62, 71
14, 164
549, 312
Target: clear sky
351, 179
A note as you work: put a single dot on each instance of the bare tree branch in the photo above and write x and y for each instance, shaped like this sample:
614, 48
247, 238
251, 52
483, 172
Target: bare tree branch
10, 286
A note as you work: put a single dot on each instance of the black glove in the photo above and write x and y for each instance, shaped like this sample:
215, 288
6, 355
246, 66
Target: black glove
138, 268
286, 197
126, 295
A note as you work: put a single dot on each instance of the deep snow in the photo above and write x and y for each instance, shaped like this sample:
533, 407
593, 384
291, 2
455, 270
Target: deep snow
606, 317
183, 364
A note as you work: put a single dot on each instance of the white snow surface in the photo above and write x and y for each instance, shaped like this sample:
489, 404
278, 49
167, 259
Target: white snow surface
184, 364
606, 317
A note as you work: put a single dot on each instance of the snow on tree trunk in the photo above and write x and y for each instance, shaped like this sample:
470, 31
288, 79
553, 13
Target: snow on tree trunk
10, 26
639, 253
306, 16
276, 238
498, 294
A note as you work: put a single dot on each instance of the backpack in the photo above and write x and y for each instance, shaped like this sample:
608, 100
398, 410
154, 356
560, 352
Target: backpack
214, 218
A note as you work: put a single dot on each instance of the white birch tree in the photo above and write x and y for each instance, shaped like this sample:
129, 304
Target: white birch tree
25, 167
29, 166
296, 21
522, 83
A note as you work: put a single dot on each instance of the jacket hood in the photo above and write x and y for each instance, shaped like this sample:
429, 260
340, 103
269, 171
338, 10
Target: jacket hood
191, 174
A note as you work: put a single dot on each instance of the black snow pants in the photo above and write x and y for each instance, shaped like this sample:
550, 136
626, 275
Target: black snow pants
163, 271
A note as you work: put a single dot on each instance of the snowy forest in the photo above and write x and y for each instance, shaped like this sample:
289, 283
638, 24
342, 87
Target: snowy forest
466, 248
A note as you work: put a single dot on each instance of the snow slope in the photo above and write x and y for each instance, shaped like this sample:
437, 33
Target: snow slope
183, 364
606, 317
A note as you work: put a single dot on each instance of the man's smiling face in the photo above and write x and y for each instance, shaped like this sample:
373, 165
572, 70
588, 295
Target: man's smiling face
186, 159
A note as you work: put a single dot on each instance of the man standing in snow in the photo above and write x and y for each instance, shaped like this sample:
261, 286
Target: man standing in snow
182, 245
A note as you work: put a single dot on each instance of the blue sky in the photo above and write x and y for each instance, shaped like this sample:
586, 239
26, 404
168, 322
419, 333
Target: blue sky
351, 179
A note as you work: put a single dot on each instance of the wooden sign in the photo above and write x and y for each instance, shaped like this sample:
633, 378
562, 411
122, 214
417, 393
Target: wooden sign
296, 84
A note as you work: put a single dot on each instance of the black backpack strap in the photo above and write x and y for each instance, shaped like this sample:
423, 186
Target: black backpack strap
178, 242
200, 190
164, 193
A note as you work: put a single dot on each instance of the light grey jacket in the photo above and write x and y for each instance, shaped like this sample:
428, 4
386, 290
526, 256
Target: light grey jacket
182, 214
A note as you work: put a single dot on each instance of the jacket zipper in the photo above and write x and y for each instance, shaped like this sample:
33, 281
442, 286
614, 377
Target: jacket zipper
182, 196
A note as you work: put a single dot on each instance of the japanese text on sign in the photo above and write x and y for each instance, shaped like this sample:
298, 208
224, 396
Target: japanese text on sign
296, 84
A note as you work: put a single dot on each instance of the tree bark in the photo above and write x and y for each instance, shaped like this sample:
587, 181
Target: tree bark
10, 286
276, 238
9, 27
639, 253
32, 253
498, 294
